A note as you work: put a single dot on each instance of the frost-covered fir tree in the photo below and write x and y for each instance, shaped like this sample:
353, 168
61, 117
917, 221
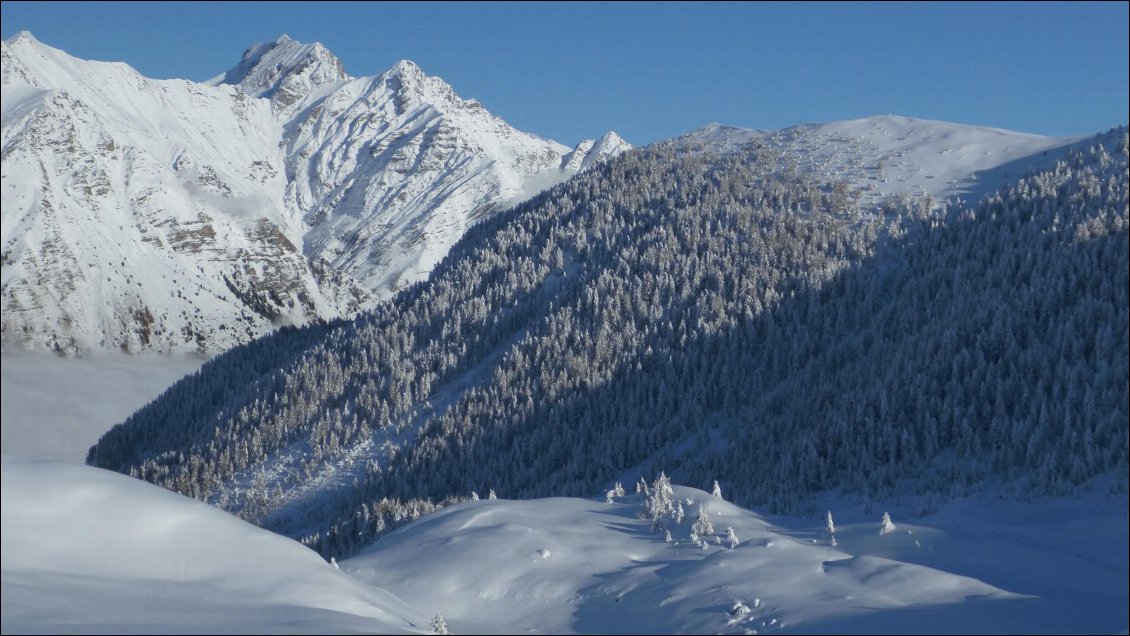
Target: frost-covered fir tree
717, 490
886, 526
703, 527
492, 496
660, 502
439, 626
829, 525
474, 496
732, 538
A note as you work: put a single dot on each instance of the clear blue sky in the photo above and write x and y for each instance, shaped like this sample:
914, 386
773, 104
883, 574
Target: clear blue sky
651, 70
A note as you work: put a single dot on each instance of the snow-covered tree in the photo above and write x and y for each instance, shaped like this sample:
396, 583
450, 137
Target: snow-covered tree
703, 527
492, 496
439, 626
717, 490
660, 502
732, 537
829, 525
474, 496
886, 526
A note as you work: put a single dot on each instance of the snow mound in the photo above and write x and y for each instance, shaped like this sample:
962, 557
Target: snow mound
482, 564
89, 550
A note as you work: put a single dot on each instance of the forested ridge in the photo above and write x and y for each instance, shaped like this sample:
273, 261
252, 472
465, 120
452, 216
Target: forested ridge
705, 313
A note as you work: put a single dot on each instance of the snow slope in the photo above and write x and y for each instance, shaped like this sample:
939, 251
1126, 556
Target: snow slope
891, 155
57, 407
390, 170
86, 550
572, 565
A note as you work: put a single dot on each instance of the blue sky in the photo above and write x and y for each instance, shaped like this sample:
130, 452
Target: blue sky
653, 70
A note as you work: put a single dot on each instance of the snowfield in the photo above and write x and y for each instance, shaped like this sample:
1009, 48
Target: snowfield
87, 550
584, 566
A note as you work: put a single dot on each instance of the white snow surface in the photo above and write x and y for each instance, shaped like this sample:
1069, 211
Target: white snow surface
585, 566
88, 550
56, 407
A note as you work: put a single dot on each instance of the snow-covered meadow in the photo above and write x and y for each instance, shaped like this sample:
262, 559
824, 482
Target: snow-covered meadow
87, 550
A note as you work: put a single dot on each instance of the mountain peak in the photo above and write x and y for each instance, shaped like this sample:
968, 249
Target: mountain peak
22, 36
284, 70
406, 66
407, 71
589, 152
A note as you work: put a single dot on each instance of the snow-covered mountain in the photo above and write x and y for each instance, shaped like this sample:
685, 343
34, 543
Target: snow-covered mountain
703, 314
877, 157
146, 214
390, 170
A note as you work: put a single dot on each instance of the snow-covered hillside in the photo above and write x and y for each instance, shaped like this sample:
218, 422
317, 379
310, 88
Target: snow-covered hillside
585, 566
90, 551
390, 170
86, 550
142, 214
877, 157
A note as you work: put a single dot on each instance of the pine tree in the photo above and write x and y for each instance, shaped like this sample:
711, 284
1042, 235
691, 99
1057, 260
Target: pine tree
732, 538
886, 527
717, 491
492, 496
439, 626
829, 526
703, 526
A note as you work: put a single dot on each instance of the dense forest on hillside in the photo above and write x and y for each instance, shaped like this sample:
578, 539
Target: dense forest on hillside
710, 314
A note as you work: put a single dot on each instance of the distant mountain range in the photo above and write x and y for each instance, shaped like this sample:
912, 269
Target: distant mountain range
168, 215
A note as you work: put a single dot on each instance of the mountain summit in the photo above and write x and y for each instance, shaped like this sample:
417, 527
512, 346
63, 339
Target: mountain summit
283, 71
